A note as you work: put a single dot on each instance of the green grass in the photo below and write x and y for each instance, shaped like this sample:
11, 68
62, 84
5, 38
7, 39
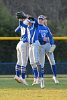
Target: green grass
49, 83
11, 90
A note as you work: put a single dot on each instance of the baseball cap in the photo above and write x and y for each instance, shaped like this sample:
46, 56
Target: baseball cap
42, 17
31, 20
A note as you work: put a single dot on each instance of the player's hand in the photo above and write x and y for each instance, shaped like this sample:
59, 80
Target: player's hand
52, 48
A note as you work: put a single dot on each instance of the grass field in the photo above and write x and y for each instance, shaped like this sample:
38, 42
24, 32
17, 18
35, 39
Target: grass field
11, 90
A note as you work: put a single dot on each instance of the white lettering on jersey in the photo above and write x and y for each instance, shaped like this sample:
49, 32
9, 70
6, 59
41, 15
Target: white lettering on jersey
43, 32
22, 30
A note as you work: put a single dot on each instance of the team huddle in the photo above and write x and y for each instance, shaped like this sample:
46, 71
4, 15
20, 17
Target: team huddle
36, 41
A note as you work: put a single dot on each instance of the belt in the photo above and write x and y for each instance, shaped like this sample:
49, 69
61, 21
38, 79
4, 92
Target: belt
42, 42
30, 43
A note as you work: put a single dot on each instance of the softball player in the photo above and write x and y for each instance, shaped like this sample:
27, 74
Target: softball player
34, 51
50, 56
32, 26
47, 45
22, 52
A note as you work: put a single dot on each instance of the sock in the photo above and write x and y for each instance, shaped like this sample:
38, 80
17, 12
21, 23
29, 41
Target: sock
23, 75
23, 72
35, 72
18, 70
54, 70
39, 74
39, 71
42, 72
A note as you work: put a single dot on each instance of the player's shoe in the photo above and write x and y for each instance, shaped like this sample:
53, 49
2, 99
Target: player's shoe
42, 83
17, 79
55, 80
36, 81
23, 81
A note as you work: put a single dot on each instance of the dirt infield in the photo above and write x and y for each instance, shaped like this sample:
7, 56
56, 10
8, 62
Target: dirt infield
36, 94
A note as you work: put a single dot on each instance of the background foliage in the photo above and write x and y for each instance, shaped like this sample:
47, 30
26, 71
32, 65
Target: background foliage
8, 23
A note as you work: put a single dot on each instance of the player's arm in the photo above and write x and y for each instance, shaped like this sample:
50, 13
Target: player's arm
53, 46
36, 23
21, 16
50, 37
18, 29
23, 23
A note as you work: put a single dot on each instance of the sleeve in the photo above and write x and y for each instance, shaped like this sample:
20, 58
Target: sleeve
36, 34
36, 23
18, 29
50, 37
22, 24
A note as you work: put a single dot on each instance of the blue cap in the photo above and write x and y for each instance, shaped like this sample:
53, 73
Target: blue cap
31, 20
42, 17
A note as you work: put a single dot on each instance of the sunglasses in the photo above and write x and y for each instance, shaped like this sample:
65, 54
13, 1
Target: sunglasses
43, 19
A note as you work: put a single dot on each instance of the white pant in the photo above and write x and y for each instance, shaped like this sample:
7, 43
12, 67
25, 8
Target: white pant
34, 54
45, 51
22, 53
51, 59
36, 50
31, 54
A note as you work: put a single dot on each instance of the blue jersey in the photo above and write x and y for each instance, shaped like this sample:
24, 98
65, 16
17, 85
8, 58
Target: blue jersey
43, 31
33, 34
23, 29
